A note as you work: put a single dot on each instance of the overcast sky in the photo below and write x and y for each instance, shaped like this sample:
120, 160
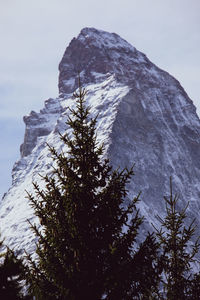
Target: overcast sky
35, 33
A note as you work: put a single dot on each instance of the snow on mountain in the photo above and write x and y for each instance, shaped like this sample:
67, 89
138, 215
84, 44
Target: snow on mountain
144, 117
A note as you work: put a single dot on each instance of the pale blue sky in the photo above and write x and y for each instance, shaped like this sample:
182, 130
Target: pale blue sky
35, 33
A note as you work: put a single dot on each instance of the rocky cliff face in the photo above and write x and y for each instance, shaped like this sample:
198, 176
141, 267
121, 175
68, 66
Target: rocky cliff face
145, 117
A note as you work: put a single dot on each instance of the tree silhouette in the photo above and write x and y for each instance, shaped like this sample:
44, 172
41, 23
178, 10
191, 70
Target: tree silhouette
86, 239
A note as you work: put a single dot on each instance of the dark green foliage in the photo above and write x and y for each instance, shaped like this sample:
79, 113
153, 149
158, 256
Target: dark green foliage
11, 271
86, 239
193, 290
177, 253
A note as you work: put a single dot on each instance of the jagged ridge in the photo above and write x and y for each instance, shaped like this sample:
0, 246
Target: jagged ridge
145, 117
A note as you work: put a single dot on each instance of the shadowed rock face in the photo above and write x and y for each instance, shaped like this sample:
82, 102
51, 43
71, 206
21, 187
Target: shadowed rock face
34, 129
144, 118
39, 125
95, 51
160, 144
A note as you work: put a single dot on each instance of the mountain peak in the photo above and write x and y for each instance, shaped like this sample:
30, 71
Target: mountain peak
100, 38
144, 118
99, 52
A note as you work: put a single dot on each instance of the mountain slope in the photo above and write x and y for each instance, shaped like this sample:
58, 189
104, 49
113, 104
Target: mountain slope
145, 117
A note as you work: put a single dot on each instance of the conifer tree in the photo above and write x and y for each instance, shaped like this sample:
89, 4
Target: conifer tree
86, 240
177, 252
11, 274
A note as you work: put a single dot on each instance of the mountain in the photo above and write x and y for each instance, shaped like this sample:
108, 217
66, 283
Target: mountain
144, 118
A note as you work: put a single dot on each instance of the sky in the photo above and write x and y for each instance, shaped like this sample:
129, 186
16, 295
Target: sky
35, 33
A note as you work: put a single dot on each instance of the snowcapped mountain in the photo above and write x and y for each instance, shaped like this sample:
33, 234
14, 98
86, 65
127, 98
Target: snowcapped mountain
144, 118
